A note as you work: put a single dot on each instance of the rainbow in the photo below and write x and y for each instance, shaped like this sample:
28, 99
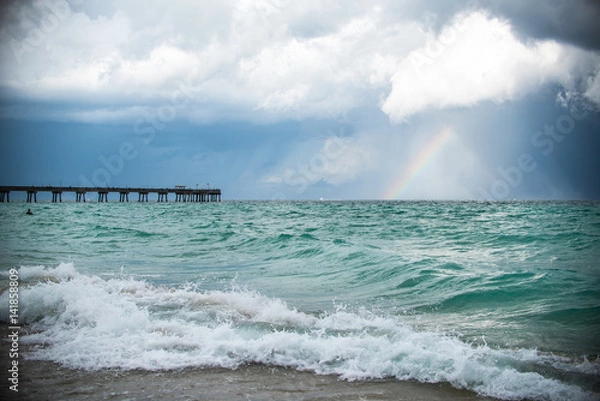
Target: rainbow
418, 163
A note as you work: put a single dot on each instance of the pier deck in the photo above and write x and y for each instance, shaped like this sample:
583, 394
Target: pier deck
182, 194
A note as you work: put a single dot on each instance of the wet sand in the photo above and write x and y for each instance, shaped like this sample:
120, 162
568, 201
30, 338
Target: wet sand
42, 380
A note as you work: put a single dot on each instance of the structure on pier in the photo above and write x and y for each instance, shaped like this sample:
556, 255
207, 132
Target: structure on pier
182, 194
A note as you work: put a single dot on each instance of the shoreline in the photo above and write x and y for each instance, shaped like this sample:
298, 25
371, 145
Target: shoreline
43, 380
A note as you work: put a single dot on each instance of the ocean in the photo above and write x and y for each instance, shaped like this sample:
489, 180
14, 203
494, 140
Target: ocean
498, 299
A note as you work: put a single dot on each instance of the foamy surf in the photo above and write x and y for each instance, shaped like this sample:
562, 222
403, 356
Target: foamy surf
87, 322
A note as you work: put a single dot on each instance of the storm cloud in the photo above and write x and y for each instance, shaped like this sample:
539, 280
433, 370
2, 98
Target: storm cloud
251, 94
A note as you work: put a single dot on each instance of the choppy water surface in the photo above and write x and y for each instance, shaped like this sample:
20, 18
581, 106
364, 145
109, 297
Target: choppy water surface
499, 298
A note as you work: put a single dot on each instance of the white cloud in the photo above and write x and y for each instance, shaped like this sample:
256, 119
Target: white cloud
165, 63
338, 160
246, 60
326, 75
273, 60
592, 91
476, 58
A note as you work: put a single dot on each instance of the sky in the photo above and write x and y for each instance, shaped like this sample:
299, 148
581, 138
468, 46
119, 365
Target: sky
281, 99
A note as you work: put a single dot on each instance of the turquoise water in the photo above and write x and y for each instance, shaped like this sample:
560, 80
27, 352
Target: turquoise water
500, 298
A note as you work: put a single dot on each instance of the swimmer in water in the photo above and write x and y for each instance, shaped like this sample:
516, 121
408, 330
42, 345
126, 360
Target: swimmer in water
29, 211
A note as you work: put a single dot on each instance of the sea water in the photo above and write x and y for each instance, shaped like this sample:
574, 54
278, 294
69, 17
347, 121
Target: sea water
500, 298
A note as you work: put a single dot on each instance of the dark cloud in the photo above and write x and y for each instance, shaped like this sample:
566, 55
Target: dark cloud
573, 21
567, 21
11, 14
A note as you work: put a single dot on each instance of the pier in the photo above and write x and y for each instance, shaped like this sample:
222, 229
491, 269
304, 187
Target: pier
180, 192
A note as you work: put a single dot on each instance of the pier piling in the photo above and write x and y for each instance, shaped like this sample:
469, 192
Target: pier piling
56, 196
143, 196
31, 196
102, 196
80, 196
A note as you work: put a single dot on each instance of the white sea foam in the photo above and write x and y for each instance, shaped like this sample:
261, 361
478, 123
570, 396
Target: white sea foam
86, 322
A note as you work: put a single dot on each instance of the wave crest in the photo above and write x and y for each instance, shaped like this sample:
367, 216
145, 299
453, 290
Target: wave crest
83, 321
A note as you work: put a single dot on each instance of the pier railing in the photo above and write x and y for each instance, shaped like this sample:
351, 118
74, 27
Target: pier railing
181, 193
